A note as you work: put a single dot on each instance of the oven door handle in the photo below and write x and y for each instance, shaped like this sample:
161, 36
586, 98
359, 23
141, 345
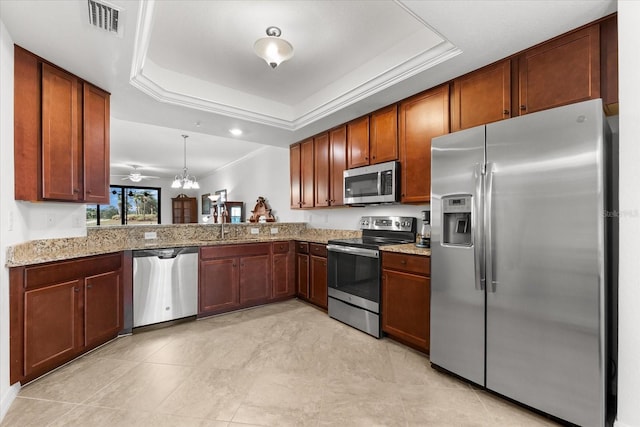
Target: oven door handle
371, 253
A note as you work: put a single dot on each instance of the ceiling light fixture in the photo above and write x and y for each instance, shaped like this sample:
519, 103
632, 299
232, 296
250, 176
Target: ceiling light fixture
273, 49
235, 131
185, 181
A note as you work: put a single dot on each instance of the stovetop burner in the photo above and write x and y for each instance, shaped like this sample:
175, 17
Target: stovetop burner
382, 230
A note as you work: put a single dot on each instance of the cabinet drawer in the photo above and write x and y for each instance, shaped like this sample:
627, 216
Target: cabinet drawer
228, 251
302, 247
412, 263
318, 250
62, 271
280, 247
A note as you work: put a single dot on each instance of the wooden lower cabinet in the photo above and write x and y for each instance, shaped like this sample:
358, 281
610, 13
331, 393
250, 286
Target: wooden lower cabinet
302, 269
244, 275
102, 301
311, 273
255, 279
406, 298
318, 281
218, 285
52, 326
283, 270
318, 274
60, 310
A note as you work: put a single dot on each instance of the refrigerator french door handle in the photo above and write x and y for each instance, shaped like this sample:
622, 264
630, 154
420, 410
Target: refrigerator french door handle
476, 223
488, 220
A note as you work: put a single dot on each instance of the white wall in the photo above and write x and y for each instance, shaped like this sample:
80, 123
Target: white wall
629, 272
266, 173
9, 211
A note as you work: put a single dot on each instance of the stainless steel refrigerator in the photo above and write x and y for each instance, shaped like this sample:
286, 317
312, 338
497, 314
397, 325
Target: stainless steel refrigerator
522, 274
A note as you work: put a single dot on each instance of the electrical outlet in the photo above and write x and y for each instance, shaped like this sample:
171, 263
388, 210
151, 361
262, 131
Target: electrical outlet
255, 230
150, 235
50, 220
10, 221
274, 230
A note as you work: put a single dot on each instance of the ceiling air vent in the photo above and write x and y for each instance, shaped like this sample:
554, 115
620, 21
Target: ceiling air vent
104, 16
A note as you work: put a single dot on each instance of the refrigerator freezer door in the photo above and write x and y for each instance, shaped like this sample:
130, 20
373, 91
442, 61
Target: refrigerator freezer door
545, 320
457, 298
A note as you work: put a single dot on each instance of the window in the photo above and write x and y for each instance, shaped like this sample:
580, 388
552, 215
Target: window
141, 206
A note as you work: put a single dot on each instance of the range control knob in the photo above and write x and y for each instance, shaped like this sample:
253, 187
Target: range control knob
398, 224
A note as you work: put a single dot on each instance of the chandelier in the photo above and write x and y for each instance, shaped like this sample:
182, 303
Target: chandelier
273, 49
185, 181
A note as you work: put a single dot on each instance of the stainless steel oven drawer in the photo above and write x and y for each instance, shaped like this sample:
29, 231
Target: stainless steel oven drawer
354, 316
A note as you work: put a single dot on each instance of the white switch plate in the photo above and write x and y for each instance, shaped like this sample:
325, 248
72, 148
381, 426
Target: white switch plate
150, 235
255, 230
274, 230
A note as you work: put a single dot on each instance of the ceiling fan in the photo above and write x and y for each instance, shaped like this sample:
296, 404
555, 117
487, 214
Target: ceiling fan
136, 175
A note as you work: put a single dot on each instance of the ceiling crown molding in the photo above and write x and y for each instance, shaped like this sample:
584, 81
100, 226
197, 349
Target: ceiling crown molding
170, 87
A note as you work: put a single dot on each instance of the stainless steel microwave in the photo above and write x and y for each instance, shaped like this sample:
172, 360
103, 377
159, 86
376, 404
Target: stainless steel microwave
372, 184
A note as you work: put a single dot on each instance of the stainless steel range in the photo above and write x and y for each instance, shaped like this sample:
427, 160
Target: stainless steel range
354, 270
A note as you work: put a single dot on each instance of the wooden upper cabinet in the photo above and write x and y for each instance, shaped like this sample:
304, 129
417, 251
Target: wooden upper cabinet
96, 107
609, 64
421, 118
383, 145
481, 97
61, 134
358, 142
295, 176
306, 173
338, 164
321, 168
301, 170
562, 71
61, 131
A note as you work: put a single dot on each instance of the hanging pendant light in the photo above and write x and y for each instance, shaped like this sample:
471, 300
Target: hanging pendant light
273, 49
185, 181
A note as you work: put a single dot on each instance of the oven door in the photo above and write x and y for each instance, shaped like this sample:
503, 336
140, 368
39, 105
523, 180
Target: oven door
354, 276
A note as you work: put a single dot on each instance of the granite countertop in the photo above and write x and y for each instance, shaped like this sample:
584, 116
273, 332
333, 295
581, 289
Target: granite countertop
103, 240
407, 248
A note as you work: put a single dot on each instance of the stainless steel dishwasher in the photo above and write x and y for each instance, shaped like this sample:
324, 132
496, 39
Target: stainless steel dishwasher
165, 284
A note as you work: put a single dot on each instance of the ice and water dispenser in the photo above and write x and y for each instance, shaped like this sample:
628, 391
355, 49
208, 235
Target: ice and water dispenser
456, 220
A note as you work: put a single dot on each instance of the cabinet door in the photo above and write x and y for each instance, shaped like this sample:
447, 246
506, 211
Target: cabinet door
96, 145
338, 164
294, 176
482, 97
562, 71
218, 285
318, 281
405, 307
321, 169
306, 173
283, 275
422, 117
358, 142
302, 275
61, 130
255, 279
384, 135
52, 326
102, 308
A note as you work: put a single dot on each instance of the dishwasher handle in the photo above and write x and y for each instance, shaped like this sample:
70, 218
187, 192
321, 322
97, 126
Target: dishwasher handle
164, 253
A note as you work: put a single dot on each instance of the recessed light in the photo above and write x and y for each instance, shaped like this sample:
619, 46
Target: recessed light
235, 131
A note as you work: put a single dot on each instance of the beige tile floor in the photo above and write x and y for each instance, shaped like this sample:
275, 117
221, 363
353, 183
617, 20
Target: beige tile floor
285, 364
